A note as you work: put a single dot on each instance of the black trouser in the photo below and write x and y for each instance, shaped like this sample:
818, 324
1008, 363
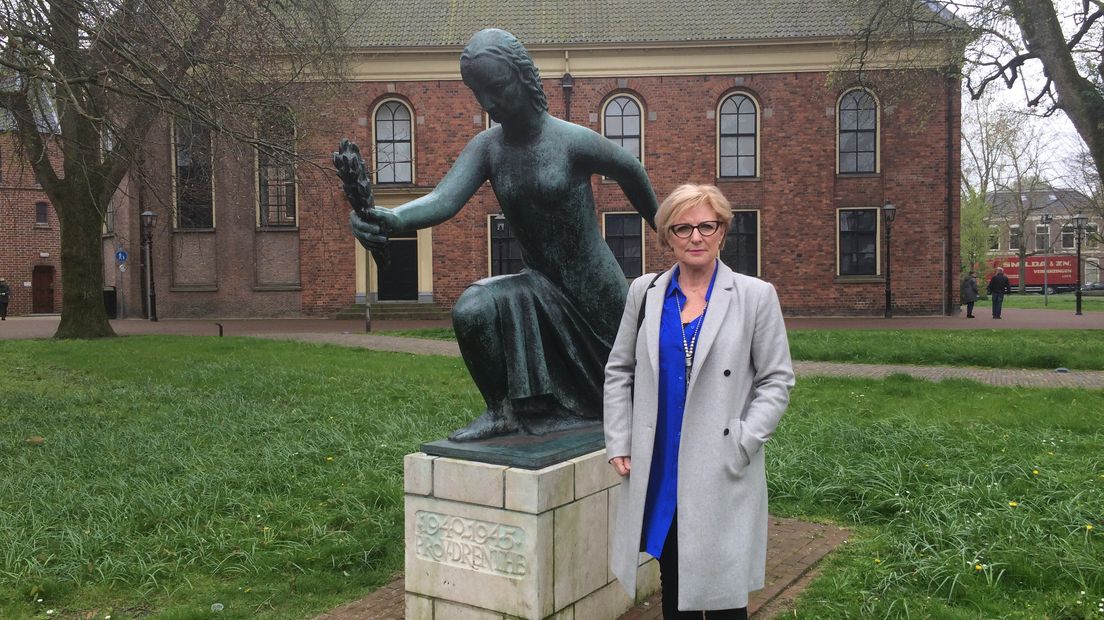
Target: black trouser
668, 576
969, 308
998, 301
4, 309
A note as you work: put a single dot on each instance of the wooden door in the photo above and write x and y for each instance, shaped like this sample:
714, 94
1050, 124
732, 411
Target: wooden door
42, 290
399, 282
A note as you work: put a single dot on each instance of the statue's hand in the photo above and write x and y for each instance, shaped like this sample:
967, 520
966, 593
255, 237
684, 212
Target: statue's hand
373, 227
354, 177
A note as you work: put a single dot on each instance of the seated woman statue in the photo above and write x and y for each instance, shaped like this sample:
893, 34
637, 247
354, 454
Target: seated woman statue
536, 342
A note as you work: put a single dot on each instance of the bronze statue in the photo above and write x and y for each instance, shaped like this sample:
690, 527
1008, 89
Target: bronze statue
536, 342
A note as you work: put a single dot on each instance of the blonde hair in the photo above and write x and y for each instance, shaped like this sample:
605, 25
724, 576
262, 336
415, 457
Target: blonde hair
687, 197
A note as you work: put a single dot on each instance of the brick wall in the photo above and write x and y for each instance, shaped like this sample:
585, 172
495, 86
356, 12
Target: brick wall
797, 193
24, 244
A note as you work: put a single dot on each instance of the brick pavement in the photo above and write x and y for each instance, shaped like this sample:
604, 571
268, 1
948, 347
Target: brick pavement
793, 549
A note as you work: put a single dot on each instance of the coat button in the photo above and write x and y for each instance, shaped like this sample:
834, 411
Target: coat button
726, 432
727, 372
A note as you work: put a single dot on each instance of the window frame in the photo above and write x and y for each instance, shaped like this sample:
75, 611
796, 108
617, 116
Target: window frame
994, 239
260, 185
877, 133
1068, 231
605, 237
877, 243
42, 208
1012, 234
643, 114
491, 219
375, 142
1045, 235
173, 132
758, 239
755, 136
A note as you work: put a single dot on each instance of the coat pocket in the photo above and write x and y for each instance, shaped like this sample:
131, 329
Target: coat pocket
736, 459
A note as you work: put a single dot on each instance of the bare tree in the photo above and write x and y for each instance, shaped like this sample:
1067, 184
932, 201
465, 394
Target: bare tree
86, 80
1063, 41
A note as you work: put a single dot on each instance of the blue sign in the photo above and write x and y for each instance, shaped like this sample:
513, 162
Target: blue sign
121, 256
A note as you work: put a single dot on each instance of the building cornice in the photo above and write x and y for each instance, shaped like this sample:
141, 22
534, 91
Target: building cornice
635, 60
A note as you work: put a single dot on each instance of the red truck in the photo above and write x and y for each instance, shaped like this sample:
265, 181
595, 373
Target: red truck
1060, 270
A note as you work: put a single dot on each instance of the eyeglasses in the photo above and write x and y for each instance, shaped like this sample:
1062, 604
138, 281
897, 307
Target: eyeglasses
707, 228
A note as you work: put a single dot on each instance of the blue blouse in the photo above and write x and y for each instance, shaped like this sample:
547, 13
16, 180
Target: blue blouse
659, 507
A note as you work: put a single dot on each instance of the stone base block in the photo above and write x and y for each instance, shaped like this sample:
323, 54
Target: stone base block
494, 542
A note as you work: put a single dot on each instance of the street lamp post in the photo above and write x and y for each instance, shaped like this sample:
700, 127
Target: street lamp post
1080, 222
889, 212
1046, 219
149, 219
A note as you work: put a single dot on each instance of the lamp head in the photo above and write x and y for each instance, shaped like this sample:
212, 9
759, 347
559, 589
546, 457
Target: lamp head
890, 212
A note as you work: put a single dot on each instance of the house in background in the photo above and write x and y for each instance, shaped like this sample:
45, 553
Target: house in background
30, 241
1039, 226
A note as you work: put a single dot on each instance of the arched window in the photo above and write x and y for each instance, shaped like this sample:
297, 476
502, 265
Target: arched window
394, 143
858, 132
738, 128
621, 122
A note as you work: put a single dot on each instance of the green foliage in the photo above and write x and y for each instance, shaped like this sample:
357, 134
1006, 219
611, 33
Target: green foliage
970, 501
992, 348
974, 234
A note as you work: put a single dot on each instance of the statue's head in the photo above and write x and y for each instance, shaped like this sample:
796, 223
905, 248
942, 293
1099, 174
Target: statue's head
494, 60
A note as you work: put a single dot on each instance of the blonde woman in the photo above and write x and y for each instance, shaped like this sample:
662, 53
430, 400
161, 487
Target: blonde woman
697, 380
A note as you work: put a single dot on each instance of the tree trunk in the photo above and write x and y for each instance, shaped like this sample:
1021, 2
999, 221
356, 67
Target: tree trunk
82, 314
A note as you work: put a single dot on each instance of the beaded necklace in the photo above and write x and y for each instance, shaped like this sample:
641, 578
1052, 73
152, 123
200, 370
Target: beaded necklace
688, 347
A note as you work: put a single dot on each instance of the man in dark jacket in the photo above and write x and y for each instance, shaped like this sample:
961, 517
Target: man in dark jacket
5, 295
998, 288
969, 293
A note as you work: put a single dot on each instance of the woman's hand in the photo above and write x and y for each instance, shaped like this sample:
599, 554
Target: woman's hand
622, 464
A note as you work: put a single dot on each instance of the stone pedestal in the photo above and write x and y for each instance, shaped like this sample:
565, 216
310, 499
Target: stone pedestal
494, 542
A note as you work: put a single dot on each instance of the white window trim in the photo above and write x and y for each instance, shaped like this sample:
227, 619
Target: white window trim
172, 162
994, 233
758, 133
413, 137
877, 132
1010, 237
643, 117
877, 242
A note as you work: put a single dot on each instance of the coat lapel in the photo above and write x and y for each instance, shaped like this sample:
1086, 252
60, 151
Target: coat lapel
653, 301
719, 302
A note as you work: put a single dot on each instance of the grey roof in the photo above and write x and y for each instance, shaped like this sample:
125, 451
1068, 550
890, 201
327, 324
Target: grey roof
403, 23
1059, 202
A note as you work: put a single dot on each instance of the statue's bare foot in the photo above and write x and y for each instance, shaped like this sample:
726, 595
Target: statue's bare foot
490, 424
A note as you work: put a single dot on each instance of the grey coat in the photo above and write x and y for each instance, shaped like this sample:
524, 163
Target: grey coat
739, 388
969, 289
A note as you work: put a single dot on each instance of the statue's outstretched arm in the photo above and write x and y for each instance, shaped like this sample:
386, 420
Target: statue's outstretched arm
458, 186
612, 161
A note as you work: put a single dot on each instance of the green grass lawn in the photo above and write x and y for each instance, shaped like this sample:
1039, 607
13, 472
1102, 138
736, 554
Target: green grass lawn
991, 348
1063, 302
175, 473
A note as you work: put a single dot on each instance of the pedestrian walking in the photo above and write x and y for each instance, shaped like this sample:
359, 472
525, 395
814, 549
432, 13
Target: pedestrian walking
998, 288
969, 291
5, 296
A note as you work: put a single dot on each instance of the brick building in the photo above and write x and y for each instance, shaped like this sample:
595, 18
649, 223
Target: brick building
727, 93
30, 242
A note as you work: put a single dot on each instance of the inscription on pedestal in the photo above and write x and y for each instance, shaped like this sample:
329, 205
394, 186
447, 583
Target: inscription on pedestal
482, 546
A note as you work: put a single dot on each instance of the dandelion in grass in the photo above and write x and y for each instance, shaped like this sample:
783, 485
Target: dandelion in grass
1013, 504
1034, 472
329, 458
877, 560
1088, 527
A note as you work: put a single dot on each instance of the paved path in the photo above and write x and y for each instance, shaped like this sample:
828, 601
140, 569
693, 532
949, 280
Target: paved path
793, 550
